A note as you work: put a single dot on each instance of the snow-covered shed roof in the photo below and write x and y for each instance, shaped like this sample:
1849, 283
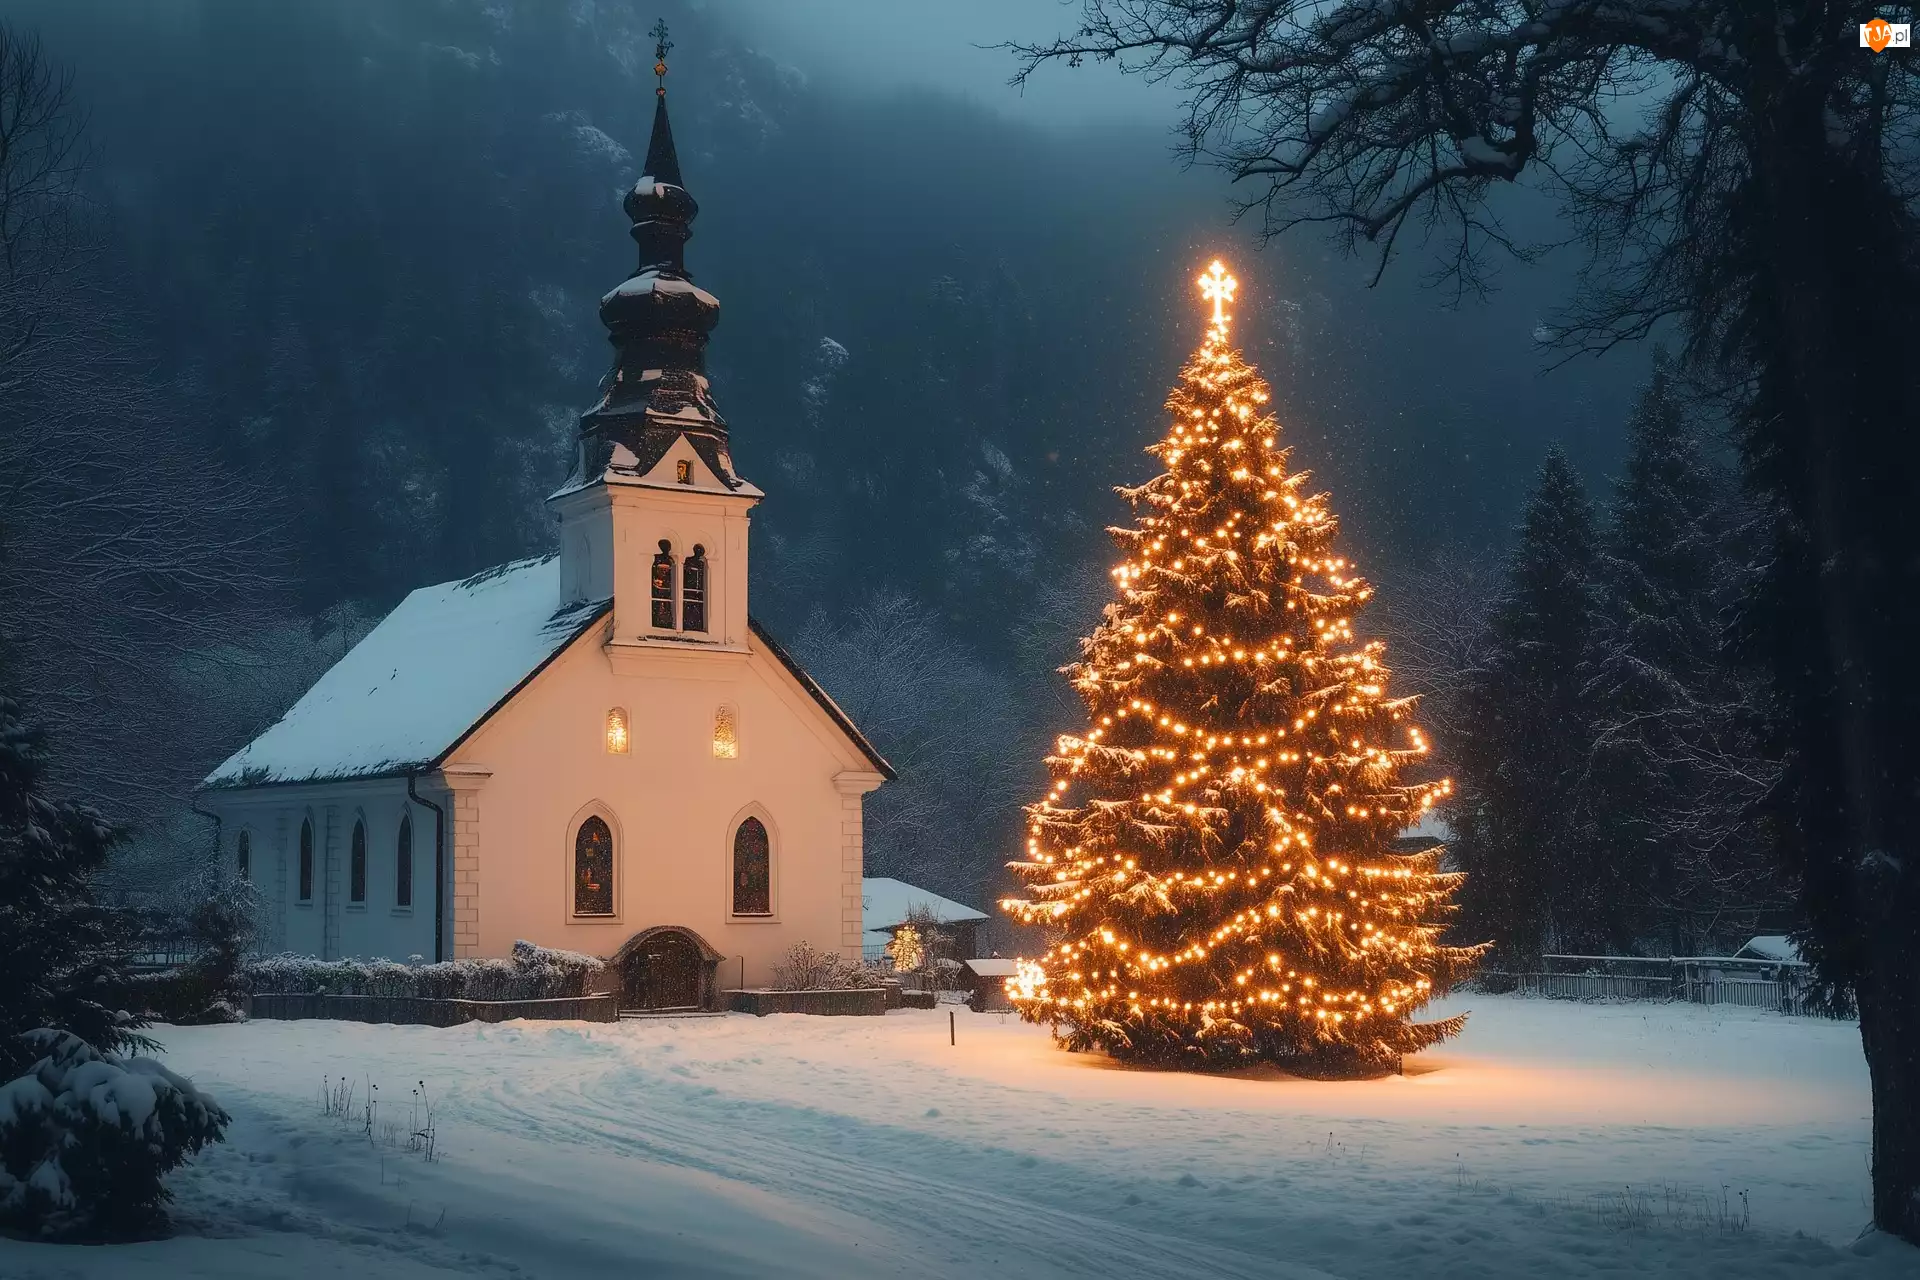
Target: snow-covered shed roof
435, 668
1772, 946
885, 904
993, 967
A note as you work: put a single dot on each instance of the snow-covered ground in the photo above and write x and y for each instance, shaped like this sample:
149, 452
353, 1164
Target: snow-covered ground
1551, 1140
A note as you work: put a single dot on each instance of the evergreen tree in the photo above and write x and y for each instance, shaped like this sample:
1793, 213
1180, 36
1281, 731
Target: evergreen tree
1215, 862
62, 955
1674, 768
1519, 812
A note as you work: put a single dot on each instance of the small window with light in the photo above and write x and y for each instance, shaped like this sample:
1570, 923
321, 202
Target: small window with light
619, 739
726, 735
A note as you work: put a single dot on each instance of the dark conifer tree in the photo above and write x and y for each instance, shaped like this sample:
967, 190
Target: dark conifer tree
1674, 767
62, 955
1520, 750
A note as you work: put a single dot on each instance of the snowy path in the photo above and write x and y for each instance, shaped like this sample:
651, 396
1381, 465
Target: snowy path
1551, 1140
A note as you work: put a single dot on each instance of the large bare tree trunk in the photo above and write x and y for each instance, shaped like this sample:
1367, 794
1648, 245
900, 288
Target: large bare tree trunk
1843, 303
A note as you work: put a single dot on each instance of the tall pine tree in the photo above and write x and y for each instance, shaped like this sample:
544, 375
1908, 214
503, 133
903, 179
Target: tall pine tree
1675, 768
1518, 815
1215, 863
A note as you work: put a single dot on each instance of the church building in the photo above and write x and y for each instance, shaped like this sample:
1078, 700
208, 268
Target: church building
599, 750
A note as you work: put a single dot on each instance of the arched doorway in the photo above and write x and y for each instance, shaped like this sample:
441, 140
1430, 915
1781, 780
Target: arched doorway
667, 967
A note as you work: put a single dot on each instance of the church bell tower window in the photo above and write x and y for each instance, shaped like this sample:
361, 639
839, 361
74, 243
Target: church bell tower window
693, 591
663, 587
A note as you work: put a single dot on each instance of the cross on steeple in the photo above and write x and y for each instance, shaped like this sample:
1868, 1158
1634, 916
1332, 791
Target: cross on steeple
660, 46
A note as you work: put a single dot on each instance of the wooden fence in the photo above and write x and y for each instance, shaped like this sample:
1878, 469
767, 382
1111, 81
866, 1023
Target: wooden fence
1779, 985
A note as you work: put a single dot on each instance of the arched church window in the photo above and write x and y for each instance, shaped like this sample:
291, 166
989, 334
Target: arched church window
593, 868
357, 864
752, 870
693, 591
619, 740
403, 863
726, 736
663, 587
306, 860
245, 858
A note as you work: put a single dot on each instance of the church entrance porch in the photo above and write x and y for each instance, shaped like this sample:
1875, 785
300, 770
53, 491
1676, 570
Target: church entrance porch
665, 968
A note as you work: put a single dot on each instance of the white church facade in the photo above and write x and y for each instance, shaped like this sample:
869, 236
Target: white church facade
600, 750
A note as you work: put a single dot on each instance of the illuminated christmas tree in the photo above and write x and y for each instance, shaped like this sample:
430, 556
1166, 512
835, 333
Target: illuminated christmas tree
1215, 863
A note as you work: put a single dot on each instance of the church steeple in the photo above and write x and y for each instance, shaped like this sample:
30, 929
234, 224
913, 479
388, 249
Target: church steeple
654, 516
658, 321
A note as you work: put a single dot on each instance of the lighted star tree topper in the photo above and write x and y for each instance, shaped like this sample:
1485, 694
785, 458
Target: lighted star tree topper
1215, 863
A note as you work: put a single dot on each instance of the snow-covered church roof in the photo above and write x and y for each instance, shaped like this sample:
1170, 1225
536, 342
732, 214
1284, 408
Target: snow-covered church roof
433, 669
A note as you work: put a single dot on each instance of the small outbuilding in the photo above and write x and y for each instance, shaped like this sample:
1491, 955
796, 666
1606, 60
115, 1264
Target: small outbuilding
886, 904
987, 980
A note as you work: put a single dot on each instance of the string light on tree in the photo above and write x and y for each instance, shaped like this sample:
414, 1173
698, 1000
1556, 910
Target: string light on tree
1214, 862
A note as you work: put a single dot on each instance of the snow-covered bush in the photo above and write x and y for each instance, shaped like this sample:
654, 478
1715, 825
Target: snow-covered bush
85, 1137
530, 973
807, 968
218, 920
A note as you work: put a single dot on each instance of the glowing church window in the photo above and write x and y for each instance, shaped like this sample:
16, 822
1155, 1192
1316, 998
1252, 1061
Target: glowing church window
619, 740
726, 737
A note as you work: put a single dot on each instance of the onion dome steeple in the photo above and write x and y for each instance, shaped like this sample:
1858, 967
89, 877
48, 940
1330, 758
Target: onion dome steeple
658, 321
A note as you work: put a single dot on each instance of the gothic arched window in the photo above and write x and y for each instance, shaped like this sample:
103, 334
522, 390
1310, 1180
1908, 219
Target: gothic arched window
246, 855
752, 870
663, 587
306, 860
403, 863
357, 864
693, 591
593, 868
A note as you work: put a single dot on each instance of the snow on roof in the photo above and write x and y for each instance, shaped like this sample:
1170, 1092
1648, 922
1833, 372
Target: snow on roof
993, 967
434, 668
885, 904
1772, 946
653, 282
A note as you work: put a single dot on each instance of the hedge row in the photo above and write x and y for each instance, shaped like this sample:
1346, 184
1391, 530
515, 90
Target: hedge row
530, 973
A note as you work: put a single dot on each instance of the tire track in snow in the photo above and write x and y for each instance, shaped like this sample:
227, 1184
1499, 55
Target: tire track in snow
632, 1110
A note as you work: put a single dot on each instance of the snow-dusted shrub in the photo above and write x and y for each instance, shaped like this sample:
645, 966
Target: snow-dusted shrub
219, 922
530, 973
807, 968
85, 1137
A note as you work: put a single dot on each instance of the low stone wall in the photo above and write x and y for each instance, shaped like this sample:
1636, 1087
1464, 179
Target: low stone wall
850, 1002
415, 1011
919, 999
